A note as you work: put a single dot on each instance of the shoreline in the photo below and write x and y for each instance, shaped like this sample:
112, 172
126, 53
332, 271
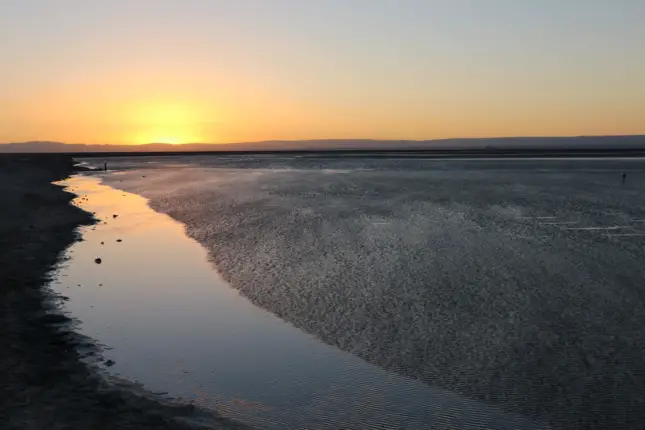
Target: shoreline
45, 382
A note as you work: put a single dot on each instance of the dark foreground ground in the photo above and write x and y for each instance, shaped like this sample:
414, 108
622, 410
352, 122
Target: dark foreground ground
43, 385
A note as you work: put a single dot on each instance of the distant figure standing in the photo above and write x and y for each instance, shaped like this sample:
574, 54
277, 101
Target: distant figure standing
105, 169
624, 178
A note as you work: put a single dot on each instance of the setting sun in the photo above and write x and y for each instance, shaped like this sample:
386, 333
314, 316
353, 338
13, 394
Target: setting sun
165, 123
173, 136
169, 140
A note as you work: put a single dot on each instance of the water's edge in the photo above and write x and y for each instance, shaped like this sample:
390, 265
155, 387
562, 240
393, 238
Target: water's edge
174, 412
295, 402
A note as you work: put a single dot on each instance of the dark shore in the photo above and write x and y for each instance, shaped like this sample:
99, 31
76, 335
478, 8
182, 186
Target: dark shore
45, 385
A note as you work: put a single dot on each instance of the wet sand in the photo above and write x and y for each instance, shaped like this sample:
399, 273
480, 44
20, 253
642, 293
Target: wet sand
515, 283
45, 384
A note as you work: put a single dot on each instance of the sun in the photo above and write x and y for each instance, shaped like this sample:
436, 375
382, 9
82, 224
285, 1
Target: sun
167, 139
174, 137
165, 123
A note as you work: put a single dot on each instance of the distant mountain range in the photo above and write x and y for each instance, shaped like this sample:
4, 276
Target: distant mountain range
581, 142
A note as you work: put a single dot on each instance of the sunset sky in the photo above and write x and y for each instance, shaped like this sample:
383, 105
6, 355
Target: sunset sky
137, 71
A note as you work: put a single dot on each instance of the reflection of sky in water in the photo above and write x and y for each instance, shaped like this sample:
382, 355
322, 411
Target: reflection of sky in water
176, 326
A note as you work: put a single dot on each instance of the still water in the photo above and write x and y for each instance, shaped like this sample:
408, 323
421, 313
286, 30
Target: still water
169, 322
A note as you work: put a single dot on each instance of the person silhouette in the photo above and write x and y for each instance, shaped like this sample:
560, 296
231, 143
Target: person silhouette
105, 166
624, 178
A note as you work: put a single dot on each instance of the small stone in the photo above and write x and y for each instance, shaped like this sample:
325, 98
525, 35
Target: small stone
114, 216
110, 363
98, 260
119, 240
102, 243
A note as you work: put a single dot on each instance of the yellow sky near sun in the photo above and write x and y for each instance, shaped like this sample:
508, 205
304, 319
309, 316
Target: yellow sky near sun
176, 106
184, 120
133, 105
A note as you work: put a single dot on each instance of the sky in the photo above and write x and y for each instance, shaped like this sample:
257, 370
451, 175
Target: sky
179, 71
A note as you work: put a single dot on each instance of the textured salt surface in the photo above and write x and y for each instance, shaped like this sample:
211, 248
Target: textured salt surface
173, 325
465, 275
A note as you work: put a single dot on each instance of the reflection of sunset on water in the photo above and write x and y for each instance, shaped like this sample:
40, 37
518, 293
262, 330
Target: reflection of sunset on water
171, 323
106, 200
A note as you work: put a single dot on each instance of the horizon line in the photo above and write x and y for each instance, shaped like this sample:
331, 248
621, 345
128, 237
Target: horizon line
334, 140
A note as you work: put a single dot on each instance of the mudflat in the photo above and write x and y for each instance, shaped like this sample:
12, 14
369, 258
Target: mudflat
514, 282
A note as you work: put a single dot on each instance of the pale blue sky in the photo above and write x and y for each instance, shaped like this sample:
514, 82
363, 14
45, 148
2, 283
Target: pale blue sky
252, 69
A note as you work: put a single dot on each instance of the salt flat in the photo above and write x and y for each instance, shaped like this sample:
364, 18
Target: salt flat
514, 282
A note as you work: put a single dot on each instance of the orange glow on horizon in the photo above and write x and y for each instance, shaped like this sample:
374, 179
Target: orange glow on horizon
128, 109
